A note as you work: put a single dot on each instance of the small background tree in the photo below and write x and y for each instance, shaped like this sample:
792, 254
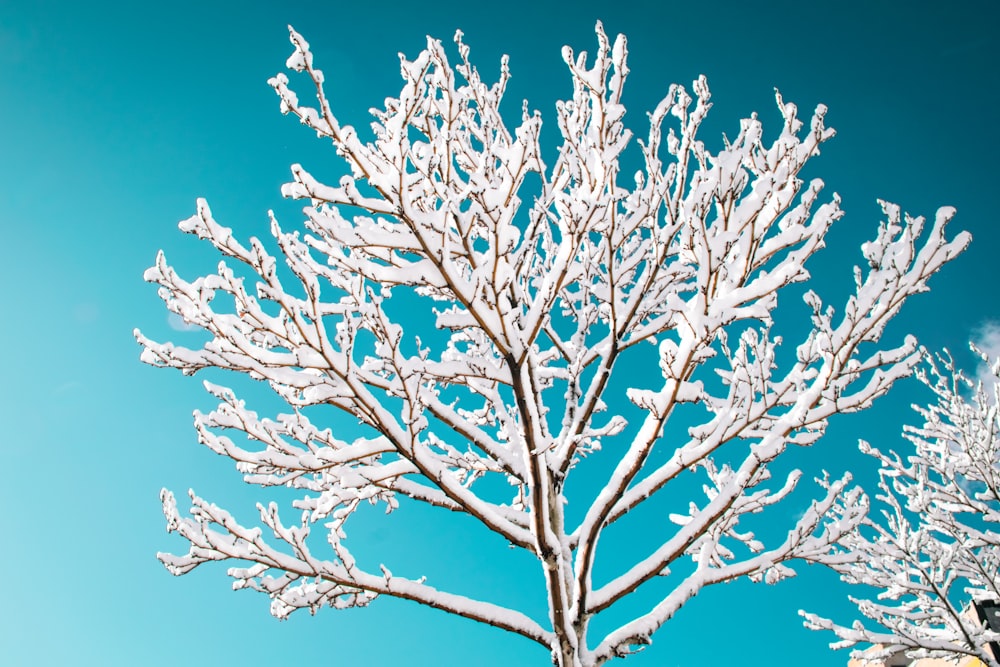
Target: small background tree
535, 311
933, 546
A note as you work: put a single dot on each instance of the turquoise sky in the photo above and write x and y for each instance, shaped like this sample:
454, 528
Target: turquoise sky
116, 116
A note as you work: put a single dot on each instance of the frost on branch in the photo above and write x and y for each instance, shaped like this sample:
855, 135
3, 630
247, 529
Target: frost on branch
934, 547
547, 286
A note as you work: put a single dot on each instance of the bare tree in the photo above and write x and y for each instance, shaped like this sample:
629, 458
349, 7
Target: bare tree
934, 548
545, 312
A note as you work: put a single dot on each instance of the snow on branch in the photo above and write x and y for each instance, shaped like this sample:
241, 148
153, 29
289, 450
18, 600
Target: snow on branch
934, 548
538, 283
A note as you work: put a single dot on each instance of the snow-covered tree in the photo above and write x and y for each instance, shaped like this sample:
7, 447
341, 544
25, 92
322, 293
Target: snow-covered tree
546, 317
934, 548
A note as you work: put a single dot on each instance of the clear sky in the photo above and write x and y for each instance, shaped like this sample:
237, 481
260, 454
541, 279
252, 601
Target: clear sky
116, 116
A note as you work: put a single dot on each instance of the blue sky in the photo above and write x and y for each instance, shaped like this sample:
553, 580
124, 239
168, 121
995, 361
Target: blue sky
116, 116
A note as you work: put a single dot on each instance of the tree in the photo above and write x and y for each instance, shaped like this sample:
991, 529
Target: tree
524, 374
935, 547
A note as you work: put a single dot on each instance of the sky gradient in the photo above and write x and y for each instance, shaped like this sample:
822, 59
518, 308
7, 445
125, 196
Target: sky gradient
115, 117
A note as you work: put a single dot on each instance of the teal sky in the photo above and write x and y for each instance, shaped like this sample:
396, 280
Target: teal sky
116, 116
